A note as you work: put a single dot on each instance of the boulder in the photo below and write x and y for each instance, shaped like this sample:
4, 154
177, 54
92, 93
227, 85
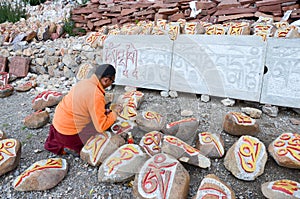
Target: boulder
46, 99
42, 175
211, 145
6, 90
100, 146
151, 142
281, 189
150, 121
285, 150
246, 158
162, 176
238, 124
10, 154
37, 119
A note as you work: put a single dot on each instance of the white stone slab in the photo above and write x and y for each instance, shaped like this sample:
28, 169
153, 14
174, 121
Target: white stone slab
141, 60
219, 65
281, 84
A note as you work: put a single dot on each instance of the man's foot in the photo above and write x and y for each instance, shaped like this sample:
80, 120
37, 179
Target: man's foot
70, 151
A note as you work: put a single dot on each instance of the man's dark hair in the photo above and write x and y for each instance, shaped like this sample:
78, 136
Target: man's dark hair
105, 70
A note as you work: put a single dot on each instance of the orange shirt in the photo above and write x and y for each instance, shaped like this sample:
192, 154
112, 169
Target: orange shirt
84, 103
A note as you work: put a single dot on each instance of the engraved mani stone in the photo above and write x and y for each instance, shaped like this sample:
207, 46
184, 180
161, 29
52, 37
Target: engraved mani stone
281, 189
285, 150
19, 66
42, 175
37, 119
150, 121
151, 142
162, 176
84, 71
121, 126
131, 101
184, 152
246, 158
123, 164
238, 124
211, 145
25, 87
10, 154
99, 147
46, 99
212, 187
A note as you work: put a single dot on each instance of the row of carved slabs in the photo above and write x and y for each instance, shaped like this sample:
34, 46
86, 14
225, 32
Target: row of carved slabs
239, 67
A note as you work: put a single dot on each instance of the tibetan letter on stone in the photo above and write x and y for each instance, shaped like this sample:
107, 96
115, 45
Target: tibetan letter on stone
150, 121
212, 187
236, 123
211, 145
42, 175
37, 119
246, 158
99, 147
286, 150
281, 189
10, 153
162, 176
46, 99
184, 152
123, 164
152, 142
185, 129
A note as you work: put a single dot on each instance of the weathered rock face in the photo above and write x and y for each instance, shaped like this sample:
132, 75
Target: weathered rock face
281, 189
123, 164
211, 145
285, 150
238, 124
100, 146
37, 119
185, 129
151, 142
162, 176
184, 152
42, 175
46, 99
10, 154
246, 158
150, 121
212, 187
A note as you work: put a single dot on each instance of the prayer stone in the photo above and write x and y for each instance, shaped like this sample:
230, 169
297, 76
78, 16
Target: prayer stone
46, 99
131, 101
185, 129
42, 175
19, 66
246, 158
150, 121
10, 154
123, 164
211, 145
212, 187
84, 71
37, 119
162, 176
281, 189
100, 146
25, 86
6, 90
184, 152
121, 126
238, 124
151, 142
285, 150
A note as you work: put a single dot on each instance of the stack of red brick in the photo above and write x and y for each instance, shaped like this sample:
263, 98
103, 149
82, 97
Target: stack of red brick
97, 13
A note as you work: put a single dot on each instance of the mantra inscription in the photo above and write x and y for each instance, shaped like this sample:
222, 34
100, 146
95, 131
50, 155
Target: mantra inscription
7, 149
150, 115
152, 142
177, 142
208, 138
242, 119
172, 124
288, 187
45, 95
288, 144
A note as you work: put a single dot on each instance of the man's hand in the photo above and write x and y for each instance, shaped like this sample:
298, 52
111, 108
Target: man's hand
116, 108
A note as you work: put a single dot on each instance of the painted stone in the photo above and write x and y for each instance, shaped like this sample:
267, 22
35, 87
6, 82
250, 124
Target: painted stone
211, 145
185, 129
84, 71
2, 135
184, 152
46, 99
281, 189
238, 124
246, 158
239, 28
285, 150
121, 126
99, 147
10, 154
162, 176
37, 119
19, 66
25, 86
95, 39
131, 102
150, 121
42, 175
151, 142
212, 187
123, 164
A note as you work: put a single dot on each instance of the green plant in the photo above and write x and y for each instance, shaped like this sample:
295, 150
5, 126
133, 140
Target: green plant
69, 26
35, 2
11, 12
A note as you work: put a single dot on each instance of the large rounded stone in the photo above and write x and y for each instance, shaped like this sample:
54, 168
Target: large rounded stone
150, 121
46, 99
37, 119
6, 90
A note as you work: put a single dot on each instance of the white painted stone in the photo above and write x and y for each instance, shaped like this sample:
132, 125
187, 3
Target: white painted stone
140, 60
281, 84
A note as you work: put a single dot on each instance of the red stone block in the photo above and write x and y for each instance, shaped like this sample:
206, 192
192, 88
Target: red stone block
271, 8
128, 11
175, 17
3, 61
19, 66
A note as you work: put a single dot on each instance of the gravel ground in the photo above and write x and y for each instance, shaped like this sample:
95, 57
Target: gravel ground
81, 180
